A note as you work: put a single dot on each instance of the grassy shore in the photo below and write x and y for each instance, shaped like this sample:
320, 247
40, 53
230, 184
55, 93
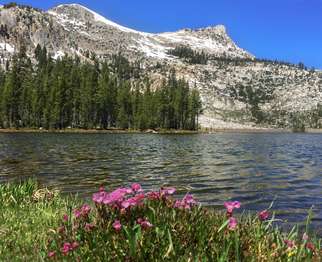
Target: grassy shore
98, 131
130, 225
152, 131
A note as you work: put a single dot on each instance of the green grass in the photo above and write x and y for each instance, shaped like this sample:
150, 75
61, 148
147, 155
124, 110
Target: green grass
32, 225
26, 218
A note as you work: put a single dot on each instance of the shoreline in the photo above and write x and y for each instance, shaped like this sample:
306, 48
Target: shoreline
152, 131
97, 131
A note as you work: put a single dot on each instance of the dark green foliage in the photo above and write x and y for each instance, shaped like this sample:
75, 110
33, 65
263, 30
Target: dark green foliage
4, 31
252, 96
189, 55
69, 94
319, 110
14, 4
10, 5
302, 66
225, 61
298, 123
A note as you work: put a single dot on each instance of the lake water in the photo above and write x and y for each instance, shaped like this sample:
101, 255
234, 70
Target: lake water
252, 168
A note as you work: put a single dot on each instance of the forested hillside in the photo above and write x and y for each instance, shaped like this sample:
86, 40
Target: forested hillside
111, 94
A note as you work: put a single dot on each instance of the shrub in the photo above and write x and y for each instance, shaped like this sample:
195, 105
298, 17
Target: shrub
10, 5
189, 55
129, 225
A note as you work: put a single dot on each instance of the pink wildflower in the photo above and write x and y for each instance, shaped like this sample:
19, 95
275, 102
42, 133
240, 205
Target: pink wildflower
82, 212
127, 203
168, 191
230, 206
133, 201
305, 237
232, 223
154, 195
86, 209
117, 225
65, 218
145, 224
310, 246
66, 248
136, 187
111, 198
99, 197
290, 244
77, 213
116, 196
189, 199
51, 254
263, 215
75, 245
89, 227
186, 203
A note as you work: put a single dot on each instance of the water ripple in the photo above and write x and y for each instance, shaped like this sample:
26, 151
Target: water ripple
253, 168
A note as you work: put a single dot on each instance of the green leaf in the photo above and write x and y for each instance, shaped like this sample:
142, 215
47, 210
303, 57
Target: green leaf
138, 234
170, 248
223, 226
153, 211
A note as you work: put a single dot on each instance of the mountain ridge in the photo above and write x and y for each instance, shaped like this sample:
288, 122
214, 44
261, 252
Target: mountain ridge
236, 88
101, 17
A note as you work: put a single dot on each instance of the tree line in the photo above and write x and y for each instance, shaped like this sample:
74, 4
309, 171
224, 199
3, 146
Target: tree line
68, 93
14, 4
189, 55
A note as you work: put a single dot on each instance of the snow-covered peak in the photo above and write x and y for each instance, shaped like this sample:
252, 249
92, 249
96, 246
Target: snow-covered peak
108, 34
67, 9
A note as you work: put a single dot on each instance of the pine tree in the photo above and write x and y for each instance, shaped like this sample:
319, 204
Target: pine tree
27, 94
103, 97
195, 109
124, 117
2, 110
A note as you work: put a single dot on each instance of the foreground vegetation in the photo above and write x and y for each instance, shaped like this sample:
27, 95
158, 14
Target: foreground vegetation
130, 225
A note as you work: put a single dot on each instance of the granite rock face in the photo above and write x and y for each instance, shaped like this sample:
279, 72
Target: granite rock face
237, 89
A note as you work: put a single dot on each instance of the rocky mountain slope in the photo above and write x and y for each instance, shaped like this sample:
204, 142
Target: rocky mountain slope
237, 89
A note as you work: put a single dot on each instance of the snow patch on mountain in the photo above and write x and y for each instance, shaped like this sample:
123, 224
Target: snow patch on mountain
7, 47
68, 23
213, 40
97, 18
153, 48
58, 54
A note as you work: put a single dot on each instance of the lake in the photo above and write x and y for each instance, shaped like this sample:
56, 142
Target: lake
252, 168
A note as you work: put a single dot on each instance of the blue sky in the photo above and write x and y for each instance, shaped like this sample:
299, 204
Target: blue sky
288, 30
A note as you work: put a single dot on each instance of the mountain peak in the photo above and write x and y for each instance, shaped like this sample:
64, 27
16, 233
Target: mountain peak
217, 28
77, 11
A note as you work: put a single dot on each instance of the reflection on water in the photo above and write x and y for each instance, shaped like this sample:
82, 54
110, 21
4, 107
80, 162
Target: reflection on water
253, 168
